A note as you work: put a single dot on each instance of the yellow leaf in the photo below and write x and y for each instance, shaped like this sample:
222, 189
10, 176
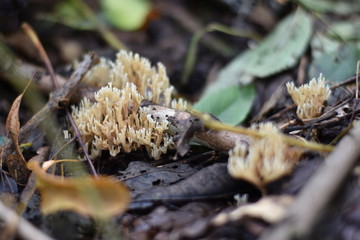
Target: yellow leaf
101, 197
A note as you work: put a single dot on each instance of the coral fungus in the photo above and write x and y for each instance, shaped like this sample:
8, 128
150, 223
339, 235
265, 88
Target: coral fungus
266, 159
309, 97
116, 121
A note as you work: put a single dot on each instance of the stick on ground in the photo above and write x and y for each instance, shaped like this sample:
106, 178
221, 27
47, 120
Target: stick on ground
24, 229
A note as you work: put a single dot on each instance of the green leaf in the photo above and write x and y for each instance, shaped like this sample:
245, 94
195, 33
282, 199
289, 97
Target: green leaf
68, 14
348, 31
126, 15
279, 51
231, 105
339, 7
321, 44
337, 65
282, 49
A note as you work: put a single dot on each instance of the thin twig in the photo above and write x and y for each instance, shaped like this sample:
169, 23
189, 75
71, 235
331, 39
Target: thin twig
37, 43
216, 125
29, 189
81, 142
25, 229
357, 80
218, 135
45, 58
105, 33
58, 99
346, 82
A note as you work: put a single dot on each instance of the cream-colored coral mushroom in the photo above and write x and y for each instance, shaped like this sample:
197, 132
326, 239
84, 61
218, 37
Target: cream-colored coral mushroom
116, 121
310, 97
152, 83
265, 160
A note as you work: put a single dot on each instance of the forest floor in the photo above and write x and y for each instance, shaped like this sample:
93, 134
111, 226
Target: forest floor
231, 59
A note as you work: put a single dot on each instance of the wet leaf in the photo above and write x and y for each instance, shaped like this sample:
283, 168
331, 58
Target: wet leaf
126, 15
231, 105
100, 197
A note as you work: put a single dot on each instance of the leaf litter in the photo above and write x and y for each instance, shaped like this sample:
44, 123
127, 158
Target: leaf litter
180, 198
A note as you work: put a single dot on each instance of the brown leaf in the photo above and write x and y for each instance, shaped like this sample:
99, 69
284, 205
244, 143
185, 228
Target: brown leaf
16, 162
101, 197
12, 121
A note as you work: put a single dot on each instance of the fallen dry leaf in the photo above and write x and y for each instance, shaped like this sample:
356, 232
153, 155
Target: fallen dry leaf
271, 209
12, 121
100, 197
16, 162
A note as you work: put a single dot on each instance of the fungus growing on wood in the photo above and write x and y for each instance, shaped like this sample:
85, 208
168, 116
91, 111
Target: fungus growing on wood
265, 160
310, 97
116, 121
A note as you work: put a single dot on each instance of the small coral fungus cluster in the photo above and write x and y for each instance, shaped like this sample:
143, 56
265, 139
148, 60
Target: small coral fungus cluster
269, 158
265, 160
115, 121
309, 97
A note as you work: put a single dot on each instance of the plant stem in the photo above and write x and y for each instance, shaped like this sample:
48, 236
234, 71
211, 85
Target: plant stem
213, 124
105, 33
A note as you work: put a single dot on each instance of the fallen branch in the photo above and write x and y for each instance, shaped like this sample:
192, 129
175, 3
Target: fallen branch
202, 128
185, 126
60, 97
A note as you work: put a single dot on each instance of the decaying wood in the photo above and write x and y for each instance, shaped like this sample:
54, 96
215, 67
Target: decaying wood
185, 126
326, 182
